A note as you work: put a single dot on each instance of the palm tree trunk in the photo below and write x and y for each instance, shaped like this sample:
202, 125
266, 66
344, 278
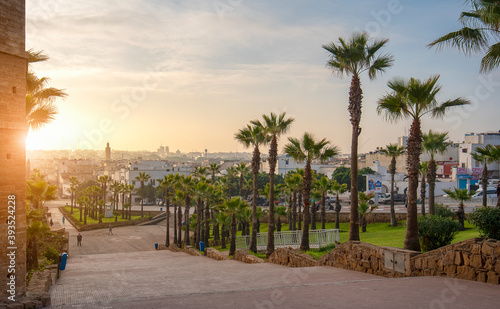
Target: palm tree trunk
175, 224
142, 199
431, 179
337, 212
207, 226
199, 211
355, 97
71, 201
232, 247
394, 222
186, 220
294, 211
179, 226
314, 208
422, 196
290, 213
461, 216
484, 183
323, 211
299, 205
273, 153
81, 212
167, 236
255, 223
306, 189
413, 159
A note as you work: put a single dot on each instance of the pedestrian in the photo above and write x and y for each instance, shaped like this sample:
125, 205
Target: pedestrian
63, 219
110, 232
79, 240
51, 222
405, 192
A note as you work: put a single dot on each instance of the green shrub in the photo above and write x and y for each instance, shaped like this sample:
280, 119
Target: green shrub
444, 211
435, 231
487, 220
51, 254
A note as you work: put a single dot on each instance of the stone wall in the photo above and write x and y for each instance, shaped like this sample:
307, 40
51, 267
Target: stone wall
368, 258
191, 251
13, 128
476, 259
246, 257
291, 258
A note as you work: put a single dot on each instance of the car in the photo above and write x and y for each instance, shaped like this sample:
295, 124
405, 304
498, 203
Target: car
491, 192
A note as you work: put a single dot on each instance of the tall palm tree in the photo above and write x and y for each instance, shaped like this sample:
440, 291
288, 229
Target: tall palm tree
273, 126
354, 57
103, 180
73, 186
414, 99
294, 182
460, 195
115, 188
480, 29
433, 143
232, 207
324, 185
242, 170
167, 184
306, 150
393, 151
252, 136
338, 189
40, 99
142, 178
422, 170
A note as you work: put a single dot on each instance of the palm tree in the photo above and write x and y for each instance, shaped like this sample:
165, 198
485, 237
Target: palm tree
280, 212
115, 188
433, 143
414, 99
253, 136
142, 178
487, 154
364, 209
214, 168
338, 189
247, 186
167, 184
73, 186
422, 170
40, 99
481, 26
129, 189
242, 169
103, 180
294, 182
354, 57
308, 149
273, 127
460, 195
231, 208
393, 151
224, 221
39, 191
34, 231
324, 185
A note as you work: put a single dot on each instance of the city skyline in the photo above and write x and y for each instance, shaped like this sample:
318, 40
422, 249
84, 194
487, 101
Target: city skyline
190, 74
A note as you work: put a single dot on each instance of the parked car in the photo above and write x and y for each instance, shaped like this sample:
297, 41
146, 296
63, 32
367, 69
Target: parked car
491, 192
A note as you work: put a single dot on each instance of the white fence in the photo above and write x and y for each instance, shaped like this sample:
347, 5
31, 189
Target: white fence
317, 239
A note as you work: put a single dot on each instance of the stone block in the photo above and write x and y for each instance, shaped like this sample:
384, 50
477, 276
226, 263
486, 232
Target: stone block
418, 264
459, 260
475, 248
449, 258
476, 261
15, 306
466, 272
450, 270
481, 277
431, 263
465, 256
497, 266
487, 249
493, 277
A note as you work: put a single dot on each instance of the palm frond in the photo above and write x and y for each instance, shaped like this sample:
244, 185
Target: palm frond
467, 40
491, 60
440, 110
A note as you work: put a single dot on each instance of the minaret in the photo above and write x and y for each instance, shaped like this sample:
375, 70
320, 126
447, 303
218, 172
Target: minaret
108, 153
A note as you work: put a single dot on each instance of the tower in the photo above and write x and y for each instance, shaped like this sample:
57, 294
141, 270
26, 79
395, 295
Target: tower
13, 129
107, 155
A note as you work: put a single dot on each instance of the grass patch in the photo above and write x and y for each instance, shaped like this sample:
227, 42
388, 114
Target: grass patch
76, 216
317, 253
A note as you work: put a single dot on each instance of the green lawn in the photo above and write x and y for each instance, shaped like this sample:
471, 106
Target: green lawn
76, 215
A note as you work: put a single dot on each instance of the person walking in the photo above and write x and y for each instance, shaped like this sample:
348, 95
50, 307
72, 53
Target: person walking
79, 240
51, 222
110, 232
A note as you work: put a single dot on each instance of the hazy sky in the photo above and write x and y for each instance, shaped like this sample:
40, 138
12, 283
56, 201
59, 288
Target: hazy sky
189, 74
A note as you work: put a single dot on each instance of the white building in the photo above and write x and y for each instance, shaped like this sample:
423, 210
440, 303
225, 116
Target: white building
286, 163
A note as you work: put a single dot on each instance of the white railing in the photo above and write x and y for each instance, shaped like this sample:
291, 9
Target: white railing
317, 239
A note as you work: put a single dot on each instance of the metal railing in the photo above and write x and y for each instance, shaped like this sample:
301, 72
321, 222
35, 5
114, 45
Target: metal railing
317, 239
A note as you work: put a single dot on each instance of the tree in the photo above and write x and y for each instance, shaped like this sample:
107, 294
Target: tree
480, 28
342, 175
422, 170
40, 99
280, 212
34, 232
354, 57
242, 170
414, 99
306, 150
324, 185
393, 151
73, 186
142, 178
460, 195
487, 154
273, 126
103, 180
338, 189
167, 183
294, 182
433, 143
39, 191
231, 208
214, 168
364, 209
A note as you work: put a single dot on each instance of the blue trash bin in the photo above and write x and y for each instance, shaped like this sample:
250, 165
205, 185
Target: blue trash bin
64, 259
202, 246
156, 246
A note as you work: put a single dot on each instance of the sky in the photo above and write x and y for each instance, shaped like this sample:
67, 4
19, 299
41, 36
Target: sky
189, 74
